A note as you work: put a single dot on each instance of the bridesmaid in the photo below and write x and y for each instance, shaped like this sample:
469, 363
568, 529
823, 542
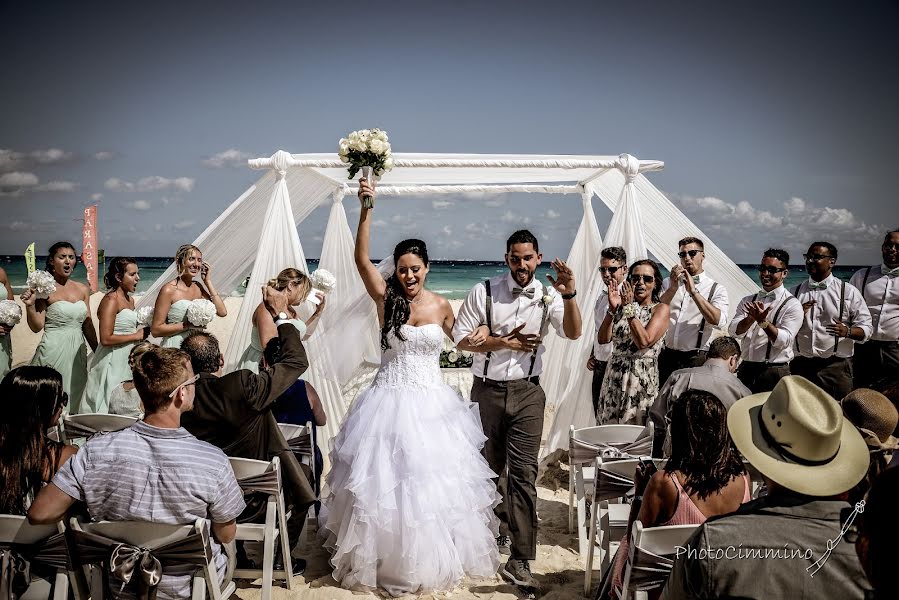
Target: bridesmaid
297, 286
118, 335
5, 331
65, 319
170, 313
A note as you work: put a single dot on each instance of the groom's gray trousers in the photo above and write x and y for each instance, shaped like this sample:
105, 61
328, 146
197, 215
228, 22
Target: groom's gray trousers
512, 417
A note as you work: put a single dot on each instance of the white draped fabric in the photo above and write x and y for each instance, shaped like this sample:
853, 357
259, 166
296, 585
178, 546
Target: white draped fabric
258, 230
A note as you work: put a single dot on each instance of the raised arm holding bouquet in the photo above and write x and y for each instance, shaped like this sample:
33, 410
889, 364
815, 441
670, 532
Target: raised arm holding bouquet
369, 151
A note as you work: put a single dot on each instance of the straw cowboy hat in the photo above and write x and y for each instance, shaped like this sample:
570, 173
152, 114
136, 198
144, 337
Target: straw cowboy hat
796, 436
874, 415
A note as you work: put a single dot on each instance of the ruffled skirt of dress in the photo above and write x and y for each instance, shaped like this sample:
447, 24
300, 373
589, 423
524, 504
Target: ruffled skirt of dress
410, 507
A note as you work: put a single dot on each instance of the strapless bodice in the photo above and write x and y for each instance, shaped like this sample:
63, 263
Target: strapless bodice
413, 362
62, 314
254, 337
125, 322
177, 311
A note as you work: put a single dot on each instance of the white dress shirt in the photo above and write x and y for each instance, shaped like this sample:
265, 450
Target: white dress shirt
882, 297
812, 340
601, 351
683, 324
509, 311
754, 343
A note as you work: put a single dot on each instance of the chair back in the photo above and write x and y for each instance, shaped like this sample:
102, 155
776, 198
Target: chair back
15, 529
22, 544
651, 557
611, 441
86, 425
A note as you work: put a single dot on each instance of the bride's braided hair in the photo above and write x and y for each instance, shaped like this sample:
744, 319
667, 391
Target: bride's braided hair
396, 305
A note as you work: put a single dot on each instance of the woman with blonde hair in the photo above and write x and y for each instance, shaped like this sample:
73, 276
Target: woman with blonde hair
297, 286
170, 312
124, 399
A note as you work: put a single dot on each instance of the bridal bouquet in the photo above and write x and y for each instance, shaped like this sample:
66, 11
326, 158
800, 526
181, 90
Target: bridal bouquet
369, 150
200, 312
10, 313
144, 316
323, 281
41, 283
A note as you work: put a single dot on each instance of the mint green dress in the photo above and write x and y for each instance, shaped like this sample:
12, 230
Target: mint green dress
63, 347
5, 354
108, 367
177, 312
253, 354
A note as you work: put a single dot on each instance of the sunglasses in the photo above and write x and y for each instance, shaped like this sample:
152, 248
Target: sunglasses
609, 270
645, 278
770, 270
814, 257
190, 381
891, 246
691, 253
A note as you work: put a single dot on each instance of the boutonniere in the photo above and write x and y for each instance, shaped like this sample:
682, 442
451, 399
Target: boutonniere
546, 300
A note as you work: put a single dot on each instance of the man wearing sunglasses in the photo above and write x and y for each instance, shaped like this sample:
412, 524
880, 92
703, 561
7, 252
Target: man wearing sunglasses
766, 324
878, 358
698, 305
835, 318
612, 269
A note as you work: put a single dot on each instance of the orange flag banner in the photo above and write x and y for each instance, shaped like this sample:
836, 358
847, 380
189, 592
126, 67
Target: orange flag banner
89, 245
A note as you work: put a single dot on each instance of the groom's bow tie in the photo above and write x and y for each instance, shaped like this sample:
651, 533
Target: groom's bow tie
891, 272
817, 286
529, 292
763, 295
695, 278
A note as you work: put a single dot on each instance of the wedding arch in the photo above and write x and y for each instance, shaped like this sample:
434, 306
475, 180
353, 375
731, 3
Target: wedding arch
258, 231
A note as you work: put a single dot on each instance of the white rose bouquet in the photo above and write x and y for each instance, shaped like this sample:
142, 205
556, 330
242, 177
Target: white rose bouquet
144, 316
41, 283
200, 312
369, 150
10, 313
323, 281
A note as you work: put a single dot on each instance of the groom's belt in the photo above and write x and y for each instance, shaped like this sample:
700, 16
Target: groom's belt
534, 379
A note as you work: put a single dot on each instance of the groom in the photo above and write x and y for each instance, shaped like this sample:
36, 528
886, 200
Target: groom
518, 310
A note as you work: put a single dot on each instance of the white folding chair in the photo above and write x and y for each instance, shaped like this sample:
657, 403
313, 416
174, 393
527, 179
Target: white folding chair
154, 536
651, 555
17, 535
300, 440
249, 474
86, 425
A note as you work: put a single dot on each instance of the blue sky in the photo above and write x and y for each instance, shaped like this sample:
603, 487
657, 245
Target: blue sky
777, 122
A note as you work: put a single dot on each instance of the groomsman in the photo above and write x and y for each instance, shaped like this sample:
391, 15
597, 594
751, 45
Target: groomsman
835, 318
698, 305
518, 311
878, 358
766, 324
612, 269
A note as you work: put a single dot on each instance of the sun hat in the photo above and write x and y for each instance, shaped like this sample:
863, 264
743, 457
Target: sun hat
874, 415
796, 436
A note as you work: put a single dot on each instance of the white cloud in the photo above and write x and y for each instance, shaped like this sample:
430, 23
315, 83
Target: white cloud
12, 159
57, 186
550, 214
96, 197
141, 205
446, 231
16, 183
18, 179
231, 158
157, 227
151, 184
182, 225
510, 217
379, 223
50, 156
104, 155
495, 202
441, 204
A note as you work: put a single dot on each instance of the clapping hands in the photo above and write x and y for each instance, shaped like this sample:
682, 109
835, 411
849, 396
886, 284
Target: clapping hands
757, 311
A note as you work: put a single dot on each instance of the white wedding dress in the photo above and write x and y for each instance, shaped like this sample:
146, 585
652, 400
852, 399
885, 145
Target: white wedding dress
410, 506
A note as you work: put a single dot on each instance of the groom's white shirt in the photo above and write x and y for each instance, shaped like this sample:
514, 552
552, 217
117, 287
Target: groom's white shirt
508, 313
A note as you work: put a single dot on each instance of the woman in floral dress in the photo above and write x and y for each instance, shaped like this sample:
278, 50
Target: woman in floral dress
636, 323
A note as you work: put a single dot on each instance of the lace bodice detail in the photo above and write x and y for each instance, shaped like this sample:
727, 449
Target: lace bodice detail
414, 362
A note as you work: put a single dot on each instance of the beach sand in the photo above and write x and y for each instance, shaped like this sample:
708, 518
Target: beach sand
558, 567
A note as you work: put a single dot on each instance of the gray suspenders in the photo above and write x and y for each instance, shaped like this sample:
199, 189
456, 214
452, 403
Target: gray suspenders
836, 338
702, 323
774, 322
488, 312
545, 312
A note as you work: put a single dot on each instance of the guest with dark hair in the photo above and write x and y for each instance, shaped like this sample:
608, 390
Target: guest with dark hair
703, 478
119, 333
878, 357
766, 324
635, 323
65, 318
716, 377
612, 269
835, 318
878, 531
32, 401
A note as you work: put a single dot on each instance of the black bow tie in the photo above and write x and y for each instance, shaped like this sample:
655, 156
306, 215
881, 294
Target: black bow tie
529, 292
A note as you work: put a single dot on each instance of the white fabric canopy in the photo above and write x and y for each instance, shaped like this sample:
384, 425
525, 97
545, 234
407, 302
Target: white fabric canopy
254, 232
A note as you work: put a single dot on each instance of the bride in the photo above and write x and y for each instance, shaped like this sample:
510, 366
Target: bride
410, 507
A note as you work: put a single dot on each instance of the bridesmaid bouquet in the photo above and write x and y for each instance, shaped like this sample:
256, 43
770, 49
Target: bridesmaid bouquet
322, 281
369, 150
144, 316
10, 313
41, 283
200, 312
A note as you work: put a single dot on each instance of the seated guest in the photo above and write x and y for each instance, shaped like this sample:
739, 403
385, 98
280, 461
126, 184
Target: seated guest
612, 270
876, 418
835, 318
716, 377
766, 324
703, 478
879, 356
32, 402
154, 471
878, 531
234, 411
809, 456
124, 399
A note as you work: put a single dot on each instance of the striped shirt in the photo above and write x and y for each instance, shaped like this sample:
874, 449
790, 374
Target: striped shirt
147, 473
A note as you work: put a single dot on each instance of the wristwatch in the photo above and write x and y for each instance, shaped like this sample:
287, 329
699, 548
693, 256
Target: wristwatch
283, 317
764, 324
569, 296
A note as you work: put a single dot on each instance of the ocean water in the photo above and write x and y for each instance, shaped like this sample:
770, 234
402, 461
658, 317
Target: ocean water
451, 279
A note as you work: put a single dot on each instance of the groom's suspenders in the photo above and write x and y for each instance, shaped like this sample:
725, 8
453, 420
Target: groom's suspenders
489, 316
488, 312
539, 331
774, 321
702, 323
